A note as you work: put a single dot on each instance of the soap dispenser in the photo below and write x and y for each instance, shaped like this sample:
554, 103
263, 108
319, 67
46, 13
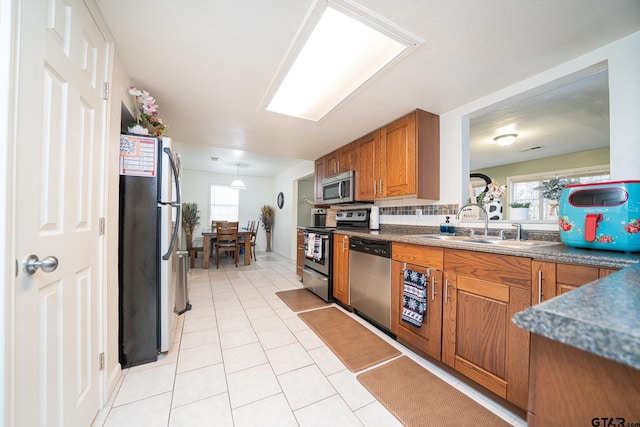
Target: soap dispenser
447, 228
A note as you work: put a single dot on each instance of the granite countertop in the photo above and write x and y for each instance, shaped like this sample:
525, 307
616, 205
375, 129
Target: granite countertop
554, 251
602, 317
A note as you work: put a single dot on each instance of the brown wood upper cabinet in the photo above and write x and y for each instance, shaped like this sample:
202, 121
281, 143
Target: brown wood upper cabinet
365, 153
482, 292
340, 160
319, 172
400, 159
551, 279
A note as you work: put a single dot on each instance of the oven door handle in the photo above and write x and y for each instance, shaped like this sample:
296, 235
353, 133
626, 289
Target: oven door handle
323, 237
340, 185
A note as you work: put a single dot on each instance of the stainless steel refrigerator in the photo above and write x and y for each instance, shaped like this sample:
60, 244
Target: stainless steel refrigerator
148, 241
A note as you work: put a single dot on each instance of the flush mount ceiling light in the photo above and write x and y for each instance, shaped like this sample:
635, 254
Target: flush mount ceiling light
237, 183
506, 139
339, 48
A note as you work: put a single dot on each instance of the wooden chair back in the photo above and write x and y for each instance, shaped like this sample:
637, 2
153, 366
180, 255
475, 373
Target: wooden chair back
227, 239
254, 235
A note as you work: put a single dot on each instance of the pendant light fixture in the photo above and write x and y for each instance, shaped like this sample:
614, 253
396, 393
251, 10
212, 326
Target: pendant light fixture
237, 183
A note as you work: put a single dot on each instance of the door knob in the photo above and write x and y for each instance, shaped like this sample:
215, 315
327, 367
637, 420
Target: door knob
31, 264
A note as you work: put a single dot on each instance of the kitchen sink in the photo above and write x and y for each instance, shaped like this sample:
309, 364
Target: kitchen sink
443, 237
489, 241
509, 243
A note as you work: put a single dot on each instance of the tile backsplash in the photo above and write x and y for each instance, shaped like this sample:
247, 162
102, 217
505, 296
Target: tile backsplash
426, 210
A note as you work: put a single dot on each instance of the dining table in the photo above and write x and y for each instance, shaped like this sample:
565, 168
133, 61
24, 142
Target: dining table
208, 236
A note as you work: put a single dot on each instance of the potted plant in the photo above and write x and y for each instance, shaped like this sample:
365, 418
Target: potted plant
266, 217
551, 191
190, 220
519, 211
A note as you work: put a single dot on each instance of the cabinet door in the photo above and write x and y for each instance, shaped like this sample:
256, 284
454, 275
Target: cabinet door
345, 158
399, 141
543, 281
319, 174
340, 160
332, 160
482, 293
365, 180
570, 276
341, 268
300, 253
427, 338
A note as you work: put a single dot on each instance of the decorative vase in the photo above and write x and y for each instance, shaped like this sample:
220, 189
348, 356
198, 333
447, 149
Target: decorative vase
138, 129
518, 214
189, 238
494, 210
553, 209
268, 240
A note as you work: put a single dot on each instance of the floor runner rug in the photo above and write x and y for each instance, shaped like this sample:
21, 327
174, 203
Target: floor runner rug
301, 299
355, 345
418, 398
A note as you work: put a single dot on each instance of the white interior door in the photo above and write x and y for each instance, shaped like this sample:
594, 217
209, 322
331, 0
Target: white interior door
60, 137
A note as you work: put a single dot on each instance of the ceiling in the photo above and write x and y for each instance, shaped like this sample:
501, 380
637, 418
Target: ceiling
210, 64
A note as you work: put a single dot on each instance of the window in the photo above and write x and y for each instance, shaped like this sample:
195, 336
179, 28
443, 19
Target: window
521, 188
224, 203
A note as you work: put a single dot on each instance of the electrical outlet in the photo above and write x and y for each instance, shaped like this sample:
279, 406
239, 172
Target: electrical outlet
419, 213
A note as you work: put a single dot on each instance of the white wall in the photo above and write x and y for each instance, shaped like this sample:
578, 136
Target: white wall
284, 227
624, 105
305, 188
259, 192
119, 94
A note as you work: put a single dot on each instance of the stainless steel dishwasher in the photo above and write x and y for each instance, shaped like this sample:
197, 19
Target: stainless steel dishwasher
370, 280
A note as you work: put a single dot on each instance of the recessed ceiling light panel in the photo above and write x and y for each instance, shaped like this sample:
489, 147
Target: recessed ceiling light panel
340, 48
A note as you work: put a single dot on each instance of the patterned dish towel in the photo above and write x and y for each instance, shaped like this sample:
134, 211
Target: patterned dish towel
414, 305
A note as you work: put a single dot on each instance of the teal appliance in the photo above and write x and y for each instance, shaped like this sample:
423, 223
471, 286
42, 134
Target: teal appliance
604, 215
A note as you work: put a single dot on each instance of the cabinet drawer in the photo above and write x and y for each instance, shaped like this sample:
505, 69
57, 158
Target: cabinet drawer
504, 269
576, 275
417, 254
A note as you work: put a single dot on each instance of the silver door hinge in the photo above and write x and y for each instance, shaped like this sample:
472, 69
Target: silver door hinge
101, 226
101, 362
105, 91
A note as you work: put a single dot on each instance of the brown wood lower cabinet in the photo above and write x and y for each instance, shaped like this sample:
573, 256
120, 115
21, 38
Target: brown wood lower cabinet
482, 292
570, 387
300, 253
341, 268
426, 339
551, 279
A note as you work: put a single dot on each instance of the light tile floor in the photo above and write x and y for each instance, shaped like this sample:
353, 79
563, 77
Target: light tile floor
241, 357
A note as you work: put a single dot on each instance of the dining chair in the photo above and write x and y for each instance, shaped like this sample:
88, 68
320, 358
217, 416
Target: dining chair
227, 240
254, 235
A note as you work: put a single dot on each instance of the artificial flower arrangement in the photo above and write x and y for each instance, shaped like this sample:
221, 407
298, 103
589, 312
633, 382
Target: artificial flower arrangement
146, 113
494, 192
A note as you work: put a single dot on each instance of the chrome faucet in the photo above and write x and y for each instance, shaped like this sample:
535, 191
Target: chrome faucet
518, 231
486, 216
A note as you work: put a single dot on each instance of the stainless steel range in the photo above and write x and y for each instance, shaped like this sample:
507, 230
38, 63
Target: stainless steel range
317, 275
317, 272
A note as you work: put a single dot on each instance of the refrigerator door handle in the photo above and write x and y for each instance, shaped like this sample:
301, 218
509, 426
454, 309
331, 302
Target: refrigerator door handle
175, 204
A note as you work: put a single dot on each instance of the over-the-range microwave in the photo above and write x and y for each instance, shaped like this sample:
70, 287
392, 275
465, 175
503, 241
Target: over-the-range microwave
338, 188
